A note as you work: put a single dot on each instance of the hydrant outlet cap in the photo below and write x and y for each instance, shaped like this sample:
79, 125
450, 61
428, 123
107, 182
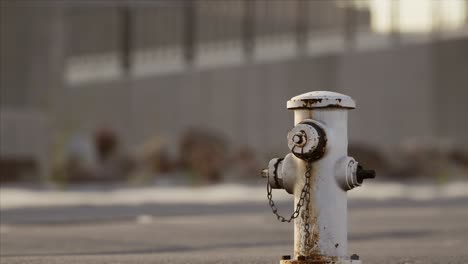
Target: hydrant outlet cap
321, 99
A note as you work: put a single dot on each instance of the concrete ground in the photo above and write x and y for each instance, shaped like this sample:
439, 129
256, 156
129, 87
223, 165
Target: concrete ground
391, 231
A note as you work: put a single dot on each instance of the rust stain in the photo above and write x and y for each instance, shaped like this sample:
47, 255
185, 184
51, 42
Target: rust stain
311, 254
313, 249
314, 101
310, 103
301, 249
313, 259
336, 106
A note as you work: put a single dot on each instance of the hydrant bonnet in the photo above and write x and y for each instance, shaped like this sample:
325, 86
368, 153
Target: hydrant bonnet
321, 99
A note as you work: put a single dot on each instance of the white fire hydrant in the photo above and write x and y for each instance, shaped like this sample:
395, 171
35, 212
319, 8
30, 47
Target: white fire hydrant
318, 172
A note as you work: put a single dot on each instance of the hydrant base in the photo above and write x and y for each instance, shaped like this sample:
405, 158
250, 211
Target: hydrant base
312, 261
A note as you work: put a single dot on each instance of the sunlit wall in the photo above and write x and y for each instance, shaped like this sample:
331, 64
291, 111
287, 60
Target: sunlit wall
417, 16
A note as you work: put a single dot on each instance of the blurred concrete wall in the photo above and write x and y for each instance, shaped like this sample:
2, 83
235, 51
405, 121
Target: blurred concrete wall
31, 81
395, 93
413, 91
31, 52
450, 62
247, 103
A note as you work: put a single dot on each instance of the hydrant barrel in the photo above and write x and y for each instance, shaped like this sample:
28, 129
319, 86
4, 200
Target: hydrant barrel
318, 172
328, 218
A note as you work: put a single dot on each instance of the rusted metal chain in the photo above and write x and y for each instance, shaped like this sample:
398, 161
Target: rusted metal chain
304, 198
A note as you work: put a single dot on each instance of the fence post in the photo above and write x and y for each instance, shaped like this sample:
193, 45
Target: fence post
190, 27
126, 38
302, 23
248, 29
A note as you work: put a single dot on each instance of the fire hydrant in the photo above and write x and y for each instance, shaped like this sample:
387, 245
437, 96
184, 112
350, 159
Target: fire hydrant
318, 172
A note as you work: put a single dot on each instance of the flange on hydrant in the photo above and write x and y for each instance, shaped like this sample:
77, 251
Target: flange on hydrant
318, 172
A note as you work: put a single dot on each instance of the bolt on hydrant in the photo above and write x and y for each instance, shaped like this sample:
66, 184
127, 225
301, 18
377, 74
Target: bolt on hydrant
318, 172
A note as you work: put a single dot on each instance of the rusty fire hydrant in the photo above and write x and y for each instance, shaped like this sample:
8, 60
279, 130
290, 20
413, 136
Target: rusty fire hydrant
318, 172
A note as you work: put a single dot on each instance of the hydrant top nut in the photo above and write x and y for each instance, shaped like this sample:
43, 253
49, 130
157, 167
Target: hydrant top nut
300, 139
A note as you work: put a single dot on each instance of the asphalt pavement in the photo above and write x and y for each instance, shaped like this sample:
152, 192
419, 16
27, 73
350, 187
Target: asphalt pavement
391, 231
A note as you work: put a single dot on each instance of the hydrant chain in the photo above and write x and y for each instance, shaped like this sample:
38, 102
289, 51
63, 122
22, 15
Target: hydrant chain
304, 197
307, 209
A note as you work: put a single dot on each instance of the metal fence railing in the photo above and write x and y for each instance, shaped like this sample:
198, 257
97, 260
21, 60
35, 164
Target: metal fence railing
147, 36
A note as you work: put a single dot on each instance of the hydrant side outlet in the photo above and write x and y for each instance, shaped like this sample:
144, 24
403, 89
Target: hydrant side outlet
318, 172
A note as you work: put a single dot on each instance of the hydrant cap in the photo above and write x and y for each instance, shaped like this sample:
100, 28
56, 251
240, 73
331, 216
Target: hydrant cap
321, 99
